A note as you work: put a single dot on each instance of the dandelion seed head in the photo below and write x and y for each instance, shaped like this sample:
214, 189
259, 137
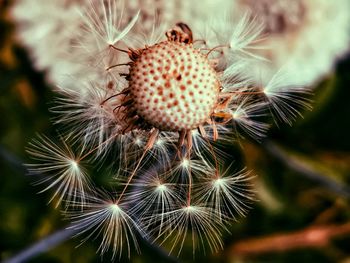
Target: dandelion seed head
174, 86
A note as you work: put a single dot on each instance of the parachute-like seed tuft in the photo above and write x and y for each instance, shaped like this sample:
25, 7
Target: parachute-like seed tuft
200, 224
112, 222
229, 194
60, 168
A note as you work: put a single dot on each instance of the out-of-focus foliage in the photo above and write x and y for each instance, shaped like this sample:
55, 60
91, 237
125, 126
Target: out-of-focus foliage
289, 201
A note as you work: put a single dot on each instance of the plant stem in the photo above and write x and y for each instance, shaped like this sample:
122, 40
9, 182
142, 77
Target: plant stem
42, 245
305, 169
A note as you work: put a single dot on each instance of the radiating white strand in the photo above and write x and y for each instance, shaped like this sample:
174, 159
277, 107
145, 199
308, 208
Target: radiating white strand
113, 223
61, 168
240, 37
195, 165
228, 194
205, 147
84, 117
164, 147
203, 225
153, 194
245, 116
286, 102
104, 21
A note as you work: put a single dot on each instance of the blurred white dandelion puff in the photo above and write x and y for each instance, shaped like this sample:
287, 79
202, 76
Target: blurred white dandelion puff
296, 36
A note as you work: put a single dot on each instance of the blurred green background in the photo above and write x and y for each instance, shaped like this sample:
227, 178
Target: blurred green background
302, 185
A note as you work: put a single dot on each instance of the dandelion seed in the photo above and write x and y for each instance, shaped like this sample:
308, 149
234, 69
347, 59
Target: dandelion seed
245, 36
62, 169
151, 195
106, 27
83, 117
203, 226
286, 101
196, 167
246, 117
110, 220
162, 148
228, 194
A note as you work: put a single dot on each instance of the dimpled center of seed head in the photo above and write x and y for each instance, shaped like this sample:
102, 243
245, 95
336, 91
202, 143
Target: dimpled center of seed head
173, 86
